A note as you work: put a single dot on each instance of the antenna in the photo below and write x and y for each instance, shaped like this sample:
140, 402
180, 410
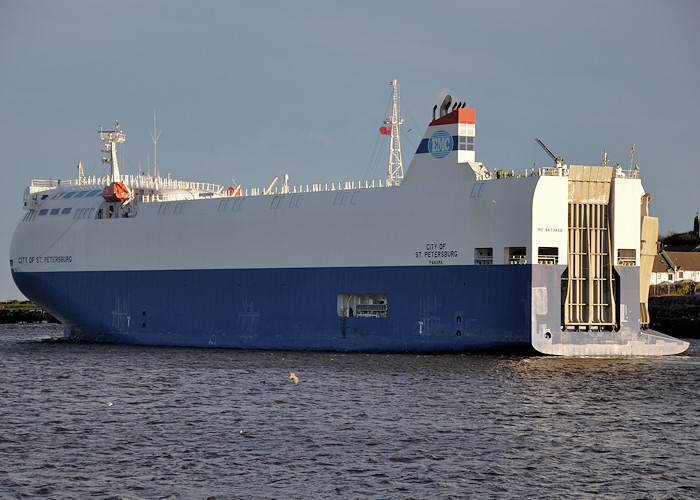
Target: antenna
154, 136
394, 173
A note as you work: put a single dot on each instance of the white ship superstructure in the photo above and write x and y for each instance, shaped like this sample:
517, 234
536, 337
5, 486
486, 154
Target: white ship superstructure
453, 257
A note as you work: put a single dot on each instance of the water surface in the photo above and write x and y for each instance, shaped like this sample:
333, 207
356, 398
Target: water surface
113, 421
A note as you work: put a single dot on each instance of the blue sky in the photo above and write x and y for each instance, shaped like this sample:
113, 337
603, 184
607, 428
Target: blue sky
250, 89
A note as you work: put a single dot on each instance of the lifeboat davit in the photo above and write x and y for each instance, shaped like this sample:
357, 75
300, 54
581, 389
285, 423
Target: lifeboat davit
116, 191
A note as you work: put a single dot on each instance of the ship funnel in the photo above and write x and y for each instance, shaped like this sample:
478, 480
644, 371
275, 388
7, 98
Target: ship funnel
445, 106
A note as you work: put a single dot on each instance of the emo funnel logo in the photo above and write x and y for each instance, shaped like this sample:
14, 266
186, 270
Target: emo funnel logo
440, 144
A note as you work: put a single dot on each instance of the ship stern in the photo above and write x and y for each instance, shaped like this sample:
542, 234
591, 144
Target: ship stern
593, 300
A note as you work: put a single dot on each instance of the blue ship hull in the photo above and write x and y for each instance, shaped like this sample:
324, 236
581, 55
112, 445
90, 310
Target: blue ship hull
430, 308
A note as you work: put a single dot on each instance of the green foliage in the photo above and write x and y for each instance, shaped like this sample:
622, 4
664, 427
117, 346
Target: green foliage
685, 287
689, 238
682, 288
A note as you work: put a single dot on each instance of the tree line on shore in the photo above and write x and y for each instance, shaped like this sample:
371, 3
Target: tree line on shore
18, 311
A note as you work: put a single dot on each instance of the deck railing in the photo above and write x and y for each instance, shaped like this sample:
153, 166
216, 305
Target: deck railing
205, 189
161, 187
546, 171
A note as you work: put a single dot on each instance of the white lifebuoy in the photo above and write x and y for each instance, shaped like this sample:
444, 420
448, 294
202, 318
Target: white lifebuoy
487, 175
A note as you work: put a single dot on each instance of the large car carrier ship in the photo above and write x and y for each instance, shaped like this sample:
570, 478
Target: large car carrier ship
451, 257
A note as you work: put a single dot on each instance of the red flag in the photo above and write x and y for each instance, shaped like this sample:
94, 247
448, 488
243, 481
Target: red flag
632, 149
385, 130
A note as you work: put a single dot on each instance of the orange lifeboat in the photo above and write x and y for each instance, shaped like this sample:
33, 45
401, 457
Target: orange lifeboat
234, 191
116, 191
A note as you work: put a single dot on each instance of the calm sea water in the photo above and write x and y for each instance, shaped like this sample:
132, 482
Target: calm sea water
113, 421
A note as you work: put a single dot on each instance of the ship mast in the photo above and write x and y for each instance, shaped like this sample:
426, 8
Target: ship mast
395, 170
111, 138
154, 136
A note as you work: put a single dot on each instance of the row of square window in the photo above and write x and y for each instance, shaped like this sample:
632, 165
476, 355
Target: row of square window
54, 211
77, 194
81, 213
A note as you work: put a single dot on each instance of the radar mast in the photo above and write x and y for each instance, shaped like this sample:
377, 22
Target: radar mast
395, 170
110, 139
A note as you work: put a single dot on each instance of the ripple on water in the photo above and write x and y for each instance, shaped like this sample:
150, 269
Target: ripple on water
127, 421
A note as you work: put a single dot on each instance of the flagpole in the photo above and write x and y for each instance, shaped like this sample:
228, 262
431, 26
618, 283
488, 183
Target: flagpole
632, 157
